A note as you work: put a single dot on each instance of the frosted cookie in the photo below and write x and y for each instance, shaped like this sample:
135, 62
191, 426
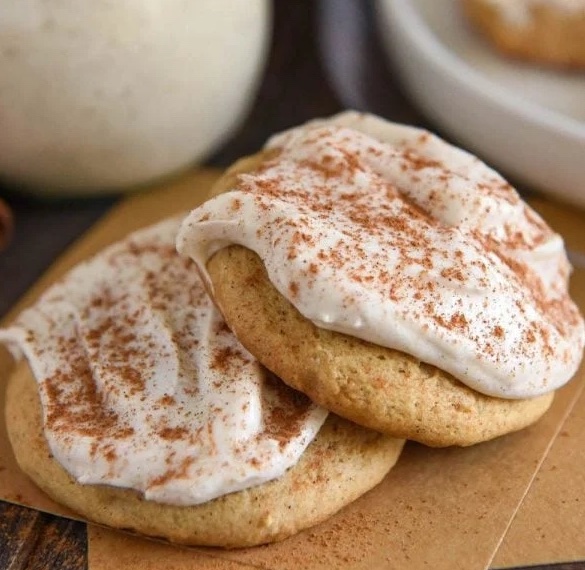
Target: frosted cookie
140, 410
543, 31
394, 279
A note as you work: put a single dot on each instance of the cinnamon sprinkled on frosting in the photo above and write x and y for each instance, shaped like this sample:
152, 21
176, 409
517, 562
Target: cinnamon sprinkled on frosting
143, 385
389, 234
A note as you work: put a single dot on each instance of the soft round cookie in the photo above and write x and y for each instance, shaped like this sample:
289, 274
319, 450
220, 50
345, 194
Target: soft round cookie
377, 387
396, 280
343, 462
542, 31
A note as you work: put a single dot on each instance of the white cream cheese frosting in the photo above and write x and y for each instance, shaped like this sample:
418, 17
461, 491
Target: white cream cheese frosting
388, 234
143, 386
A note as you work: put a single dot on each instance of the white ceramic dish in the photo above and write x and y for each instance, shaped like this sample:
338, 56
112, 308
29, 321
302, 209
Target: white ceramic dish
527, 122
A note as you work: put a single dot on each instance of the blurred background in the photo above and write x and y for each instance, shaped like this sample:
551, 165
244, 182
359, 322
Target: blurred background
244, 71
291, 87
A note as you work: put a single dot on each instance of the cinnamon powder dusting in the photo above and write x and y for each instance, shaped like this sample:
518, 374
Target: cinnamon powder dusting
421, 234
81, 410
284, 418
180, 472
174, 434
144, 369
226, 359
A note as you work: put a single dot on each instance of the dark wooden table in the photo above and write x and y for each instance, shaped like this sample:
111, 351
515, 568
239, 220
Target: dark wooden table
325, 56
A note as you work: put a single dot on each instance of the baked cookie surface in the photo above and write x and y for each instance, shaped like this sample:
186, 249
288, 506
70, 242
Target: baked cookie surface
342, 463
540, 31
377, 387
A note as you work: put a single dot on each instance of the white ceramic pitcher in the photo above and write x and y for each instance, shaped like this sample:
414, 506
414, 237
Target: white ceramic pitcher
99, 95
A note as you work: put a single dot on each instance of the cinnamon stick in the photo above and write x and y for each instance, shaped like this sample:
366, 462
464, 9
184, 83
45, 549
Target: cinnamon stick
6, 224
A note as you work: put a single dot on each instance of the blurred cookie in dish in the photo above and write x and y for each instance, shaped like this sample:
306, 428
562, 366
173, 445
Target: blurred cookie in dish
396, 280
138, 409
543, 31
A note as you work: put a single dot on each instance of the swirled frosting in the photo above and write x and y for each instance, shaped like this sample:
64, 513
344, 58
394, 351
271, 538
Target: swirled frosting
387, 233
143, 386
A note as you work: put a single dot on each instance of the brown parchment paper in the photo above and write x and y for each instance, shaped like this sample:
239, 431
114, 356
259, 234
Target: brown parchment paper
550, 524
437, 508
